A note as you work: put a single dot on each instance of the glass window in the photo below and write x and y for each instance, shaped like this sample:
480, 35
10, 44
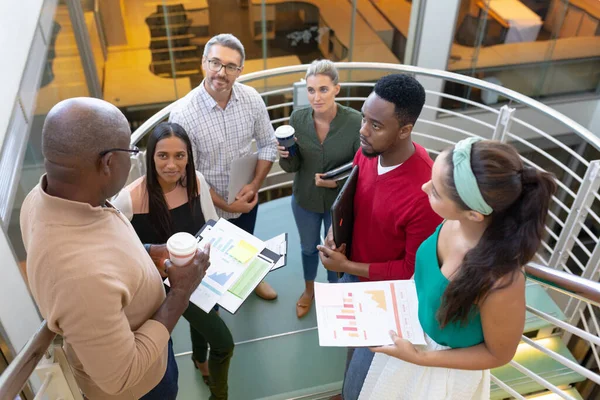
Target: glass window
62, 77
541, 48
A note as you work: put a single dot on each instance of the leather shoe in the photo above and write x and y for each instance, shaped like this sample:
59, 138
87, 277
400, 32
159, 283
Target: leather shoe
336, 397
303, 306
265, 291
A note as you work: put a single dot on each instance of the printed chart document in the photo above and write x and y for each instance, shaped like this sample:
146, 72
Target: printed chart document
238, 262
362, 314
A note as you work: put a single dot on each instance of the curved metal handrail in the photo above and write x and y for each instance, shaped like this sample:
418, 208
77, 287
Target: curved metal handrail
572, 285
14, 378
434, 73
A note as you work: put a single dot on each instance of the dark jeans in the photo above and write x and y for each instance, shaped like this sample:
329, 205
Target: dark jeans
167, 388
246, 221
210, 329
358, 361
356, 373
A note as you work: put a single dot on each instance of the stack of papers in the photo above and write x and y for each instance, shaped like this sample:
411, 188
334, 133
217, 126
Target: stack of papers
238, 263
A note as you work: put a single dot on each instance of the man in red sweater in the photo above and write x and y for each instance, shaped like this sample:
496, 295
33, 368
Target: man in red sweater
392, 215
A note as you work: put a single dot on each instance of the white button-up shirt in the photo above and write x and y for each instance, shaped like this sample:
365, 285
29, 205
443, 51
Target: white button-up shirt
219, 136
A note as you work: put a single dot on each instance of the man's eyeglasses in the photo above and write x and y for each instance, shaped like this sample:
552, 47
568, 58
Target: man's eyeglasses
216, 65
133, 150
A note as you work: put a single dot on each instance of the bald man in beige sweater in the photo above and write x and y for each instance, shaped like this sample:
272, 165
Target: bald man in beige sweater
91, 277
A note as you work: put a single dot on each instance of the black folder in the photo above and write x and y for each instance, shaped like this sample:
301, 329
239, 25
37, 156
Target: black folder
342, 212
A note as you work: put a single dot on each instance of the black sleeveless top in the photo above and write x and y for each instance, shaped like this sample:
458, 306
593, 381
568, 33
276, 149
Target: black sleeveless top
183, 218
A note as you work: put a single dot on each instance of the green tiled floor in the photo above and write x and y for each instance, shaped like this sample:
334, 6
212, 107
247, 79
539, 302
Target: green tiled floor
270, 368
276, 366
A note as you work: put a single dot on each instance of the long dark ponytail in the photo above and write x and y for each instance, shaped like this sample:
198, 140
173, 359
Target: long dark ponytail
158, 210
520, 196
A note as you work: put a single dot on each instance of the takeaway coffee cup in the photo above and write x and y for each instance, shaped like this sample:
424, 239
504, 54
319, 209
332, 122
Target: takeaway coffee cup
182, 248
285, 135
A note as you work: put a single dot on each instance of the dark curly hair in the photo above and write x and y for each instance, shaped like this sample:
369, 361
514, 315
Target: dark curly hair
405, 92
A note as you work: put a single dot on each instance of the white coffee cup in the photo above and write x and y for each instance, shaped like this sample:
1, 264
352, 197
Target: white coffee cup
182, 247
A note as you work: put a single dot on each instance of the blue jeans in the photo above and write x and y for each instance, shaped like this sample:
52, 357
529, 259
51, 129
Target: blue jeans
309, 228
356, 373
358, 361
167, 388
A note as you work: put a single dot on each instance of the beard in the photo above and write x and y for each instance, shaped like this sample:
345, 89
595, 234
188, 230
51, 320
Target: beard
370, 154
224, 81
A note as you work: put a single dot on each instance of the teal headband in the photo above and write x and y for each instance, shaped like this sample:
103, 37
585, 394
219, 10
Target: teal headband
464, 179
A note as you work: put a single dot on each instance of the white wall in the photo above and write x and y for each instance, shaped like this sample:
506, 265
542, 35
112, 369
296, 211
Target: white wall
18, 313
433, 48
594, 124
18, 21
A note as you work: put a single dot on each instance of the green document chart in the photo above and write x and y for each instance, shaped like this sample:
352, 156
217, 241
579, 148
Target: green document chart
250, 278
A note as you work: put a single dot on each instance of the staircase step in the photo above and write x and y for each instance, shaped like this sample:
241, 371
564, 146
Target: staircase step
172, 37
537, 297
539, 363
551, 396
174, 49
180, 74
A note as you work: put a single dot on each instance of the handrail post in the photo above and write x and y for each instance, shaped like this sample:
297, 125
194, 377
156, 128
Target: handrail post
503, 123
584, 199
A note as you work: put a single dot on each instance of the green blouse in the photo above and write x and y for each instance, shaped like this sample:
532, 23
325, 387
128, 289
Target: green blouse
431, 284
340, 145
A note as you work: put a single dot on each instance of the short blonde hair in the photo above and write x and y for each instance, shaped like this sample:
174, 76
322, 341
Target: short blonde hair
323, 67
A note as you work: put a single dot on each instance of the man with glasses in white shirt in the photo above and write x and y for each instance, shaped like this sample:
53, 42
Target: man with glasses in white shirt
221, 117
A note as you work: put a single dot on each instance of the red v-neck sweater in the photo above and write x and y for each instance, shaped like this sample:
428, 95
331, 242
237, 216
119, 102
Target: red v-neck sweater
392, 216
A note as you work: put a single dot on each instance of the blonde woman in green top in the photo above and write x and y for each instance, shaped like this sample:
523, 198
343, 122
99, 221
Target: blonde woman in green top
327, 135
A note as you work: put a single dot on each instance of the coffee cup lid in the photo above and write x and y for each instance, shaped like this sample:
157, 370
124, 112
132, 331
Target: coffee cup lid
284, 131
181, 242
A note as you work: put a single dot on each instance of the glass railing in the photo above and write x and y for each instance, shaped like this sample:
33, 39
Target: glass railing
558, 355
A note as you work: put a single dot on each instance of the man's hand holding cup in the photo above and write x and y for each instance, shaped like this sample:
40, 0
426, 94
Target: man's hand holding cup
187, 264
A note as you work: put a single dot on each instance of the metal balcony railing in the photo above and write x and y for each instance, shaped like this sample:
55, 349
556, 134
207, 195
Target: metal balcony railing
564, 274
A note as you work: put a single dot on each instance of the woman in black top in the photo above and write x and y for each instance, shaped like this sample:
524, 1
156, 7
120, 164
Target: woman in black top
172, 198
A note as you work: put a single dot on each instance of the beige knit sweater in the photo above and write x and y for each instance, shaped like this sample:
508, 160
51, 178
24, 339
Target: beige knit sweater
96, 286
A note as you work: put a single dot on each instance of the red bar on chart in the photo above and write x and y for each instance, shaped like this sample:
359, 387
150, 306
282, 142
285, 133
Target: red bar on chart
345, 317
396, 316
349, 328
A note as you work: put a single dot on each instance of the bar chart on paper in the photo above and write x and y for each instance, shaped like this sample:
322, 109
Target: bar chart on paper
231, 253
221, 244
362, 314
